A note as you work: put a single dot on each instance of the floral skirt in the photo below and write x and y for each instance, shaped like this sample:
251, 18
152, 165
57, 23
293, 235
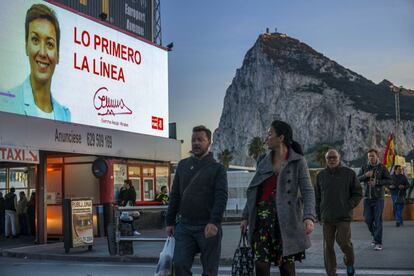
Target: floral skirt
267, 240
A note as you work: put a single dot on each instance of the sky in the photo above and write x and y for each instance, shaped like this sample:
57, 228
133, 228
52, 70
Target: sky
374, 38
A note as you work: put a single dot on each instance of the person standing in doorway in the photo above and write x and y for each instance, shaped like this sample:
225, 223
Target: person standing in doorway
197, 203
375, 176
31, 213
10, 204
22, 213
337, 192
398, 192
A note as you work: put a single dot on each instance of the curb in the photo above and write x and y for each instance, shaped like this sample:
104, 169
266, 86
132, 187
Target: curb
121, 259
149, 260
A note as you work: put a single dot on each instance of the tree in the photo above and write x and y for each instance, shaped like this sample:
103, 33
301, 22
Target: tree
225, 158
320, 154
256, 147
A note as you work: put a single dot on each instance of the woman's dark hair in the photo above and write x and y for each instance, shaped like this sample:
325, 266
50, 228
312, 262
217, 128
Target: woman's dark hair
283, 128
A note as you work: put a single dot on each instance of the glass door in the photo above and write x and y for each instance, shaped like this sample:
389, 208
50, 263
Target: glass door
120, 174
54, 179
3, 177
148, 174
149, 189
134, 174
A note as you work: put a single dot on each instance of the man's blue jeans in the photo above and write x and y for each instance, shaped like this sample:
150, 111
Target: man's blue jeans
373, 217
398, 208
190, 240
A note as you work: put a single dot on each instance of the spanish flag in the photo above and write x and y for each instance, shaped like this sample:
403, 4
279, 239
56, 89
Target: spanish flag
389, 154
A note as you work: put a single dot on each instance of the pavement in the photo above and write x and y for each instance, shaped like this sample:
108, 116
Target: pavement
398, 250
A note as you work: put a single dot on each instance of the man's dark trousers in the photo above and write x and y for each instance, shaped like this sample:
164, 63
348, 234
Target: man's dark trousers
341, 232
190, 240
398, 208
2, 226
373, 208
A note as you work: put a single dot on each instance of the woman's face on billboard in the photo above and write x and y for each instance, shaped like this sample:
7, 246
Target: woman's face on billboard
41, 48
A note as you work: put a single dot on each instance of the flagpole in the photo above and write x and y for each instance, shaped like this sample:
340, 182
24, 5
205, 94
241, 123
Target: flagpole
397, 91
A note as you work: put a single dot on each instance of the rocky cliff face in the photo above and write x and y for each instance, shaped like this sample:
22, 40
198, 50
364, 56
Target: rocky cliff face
325, 103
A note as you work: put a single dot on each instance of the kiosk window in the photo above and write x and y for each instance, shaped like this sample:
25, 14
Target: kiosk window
161, 177
136, 182
148, 172
149, 189
134, 171
3, 181
134, 174
120, 174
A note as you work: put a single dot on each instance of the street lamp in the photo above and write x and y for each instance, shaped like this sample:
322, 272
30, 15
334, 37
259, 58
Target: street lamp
397, 91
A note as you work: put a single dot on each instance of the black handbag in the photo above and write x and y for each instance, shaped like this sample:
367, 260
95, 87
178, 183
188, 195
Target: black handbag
243, 260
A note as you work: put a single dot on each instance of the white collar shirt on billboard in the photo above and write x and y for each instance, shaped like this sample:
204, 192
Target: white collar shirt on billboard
60, 112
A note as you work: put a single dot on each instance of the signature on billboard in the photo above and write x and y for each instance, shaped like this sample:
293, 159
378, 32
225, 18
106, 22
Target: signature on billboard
107, 105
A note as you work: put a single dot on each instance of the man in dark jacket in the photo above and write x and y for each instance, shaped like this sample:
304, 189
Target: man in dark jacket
337, 192
127, 194
375, 176
128, 197
398, 190
197, 203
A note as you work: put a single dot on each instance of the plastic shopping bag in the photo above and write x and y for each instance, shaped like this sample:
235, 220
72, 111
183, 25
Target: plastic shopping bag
164, 267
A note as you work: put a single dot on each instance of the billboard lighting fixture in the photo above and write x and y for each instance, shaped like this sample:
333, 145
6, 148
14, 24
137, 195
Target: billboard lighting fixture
170, 46
103, 16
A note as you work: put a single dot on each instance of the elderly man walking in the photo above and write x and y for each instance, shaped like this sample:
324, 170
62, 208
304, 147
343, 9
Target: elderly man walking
337, 192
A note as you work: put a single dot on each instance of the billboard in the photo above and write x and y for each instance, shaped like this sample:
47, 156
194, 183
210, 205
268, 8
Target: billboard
134, 16
62, 66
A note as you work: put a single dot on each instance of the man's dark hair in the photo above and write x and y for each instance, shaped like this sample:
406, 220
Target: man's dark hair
203, 128
12, 189
396, 167
373, 150
40, 11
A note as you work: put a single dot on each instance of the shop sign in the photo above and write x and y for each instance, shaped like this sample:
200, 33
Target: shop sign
18, 155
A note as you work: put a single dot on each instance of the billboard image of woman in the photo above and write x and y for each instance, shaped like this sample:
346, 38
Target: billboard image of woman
34, 96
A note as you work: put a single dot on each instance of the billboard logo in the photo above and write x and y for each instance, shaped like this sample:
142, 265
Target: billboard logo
157, 123
109, 106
